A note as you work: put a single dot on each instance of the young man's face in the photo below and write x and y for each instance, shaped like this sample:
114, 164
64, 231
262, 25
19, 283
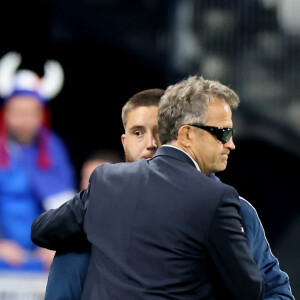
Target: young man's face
23, 118
141, 133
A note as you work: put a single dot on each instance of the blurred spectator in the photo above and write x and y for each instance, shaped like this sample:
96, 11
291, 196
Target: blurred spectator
95, 159
35, 170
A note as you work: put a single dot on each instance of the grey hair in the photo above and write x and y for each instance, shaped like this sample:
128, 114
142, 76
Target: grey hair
186, 102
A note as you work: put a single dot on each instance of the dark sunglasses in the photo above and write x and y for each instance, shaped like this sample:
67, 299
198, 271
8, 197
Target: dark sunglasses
223, 134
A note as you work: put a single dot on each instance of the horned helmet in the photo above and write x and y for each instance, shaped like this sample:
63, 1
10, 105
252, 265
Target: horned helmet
14, 81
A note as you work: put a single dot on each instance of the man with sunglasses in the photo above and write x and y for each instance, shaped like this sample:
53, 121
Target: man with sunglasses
217, 160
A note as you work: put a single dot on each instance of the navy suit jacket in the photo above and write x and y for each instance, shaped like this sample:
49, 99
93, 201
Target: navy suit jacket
159, 229
68, 270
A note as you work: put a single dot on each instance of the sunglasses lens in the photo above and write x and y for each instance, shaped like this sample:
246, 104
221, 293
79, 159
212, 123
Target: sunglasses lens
222, 134
227, 135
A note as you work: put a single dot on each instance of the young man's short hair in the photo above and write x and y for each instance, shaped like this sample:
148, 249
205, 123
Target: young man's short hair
149, 97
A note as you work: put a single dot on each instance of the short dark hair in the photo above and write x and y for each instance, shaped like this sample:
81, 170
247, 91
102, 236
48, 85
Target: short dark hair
149, 97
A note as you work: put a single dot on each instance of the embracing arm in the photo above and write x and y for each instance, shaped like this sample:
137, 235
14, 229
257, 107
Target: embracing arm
230, 253
62, 228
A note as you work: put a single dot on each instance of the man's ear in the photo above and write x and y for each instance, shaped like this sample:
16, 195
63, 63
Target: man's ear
184, 135
123, 139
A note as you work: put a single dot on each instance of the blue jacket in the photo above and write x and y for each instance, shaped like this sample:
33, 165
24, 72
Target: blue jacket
26, 189
277, 284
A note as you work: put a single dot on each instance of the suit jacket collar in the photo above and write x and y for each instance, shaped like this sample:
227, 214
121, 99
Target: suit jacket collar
175, 153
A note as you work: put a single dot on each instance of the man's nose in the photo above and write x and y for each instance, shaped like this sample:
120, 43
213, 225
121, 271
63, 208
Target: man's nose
230, 144
152, 142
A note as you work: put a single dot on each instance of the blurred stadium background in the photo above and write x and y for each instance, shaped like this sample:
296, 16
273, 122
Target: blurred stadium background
111, 49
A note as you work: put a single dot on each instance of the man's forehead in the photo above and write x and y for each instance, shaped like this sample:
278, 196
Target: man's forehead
142, 115
24, 101
219, 112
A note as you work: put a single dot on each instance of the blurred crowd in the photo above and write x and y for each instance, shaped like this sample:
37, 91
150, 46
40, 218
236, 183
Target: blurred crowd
36, 172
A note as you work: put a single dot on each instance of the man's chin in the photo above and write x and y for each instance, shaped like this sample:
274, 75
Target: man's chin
219, 168
222, 167
129, 158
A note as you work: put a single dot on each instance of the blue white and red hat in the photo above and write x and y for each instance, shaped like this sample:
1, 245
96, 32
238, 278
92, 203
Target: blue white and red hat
15, 82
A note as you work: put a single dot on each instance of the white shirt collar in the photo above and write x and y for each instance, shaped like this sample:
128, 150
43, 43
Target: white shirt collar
195, 163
